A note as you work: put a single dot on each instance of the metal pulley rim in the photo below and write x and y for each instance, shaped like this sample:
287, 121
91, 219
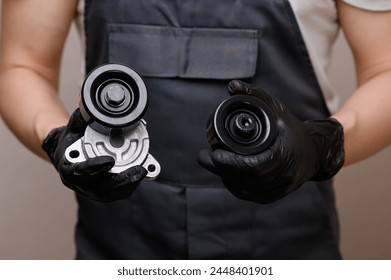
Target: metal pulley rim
89, 107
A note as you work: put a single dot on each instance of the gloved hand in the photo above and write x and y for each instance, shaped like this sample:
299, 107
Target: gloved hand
302, 151
90, 178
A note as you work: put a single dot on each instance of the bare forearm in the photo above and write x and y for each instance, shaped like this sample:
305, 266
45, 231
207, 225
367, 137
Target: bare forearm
366, 118
366, 115
30, 106
33, 33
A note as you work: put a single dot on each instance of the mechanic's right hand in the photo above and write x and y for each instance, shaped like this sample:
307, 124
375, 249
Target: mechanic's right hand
90, 178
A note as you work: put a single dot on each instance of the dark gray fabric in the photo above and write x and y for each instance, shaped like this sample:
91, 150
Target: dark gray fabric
184, 52
160, 221
187, 212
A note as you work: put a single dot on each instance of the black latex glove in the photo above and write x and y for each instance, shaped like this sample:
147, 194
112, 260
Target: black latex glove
302, 151
90, 178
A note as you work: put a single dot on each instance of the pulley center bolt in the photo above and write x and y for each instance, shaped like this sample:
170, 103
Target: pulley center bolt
115, 95
245, 124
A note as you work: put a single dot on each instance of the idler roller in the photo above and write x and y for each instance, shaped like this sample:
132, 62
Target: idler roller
242, 124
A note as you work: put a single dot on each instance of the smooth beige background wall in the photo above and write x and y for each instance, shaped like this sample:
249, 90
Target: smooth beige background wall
37, 214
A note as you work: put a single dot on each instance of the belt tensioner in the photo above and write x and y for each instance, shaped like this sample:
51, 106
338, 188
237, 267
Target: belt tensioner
242, 124
113, 102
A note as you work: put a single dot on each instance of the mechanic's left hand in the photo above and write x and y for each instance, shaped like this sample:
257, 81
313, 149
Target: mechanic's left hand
302, 151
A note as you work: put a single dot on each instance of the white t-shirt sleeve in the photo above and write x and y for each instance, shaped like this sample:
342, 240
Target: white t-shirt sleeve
371, 5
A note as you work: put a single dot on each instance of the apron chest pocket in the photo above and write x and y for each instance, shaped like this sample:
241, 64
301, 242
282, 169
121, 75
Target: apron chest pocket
170, 52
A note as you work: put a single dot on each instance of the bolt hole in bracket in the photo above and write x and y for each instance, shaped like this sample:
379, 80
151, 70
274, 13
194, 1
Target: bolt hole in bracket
242, 124
113, 101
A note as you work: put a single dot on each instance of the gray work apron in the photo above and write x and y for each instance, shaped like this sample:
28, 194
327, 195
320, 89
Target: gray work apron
187, 51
